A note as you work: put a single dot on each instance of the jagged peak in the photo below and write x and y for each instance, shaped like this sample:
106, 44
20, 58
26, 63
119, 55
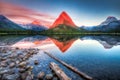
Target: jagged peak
63, 13
36, 22
111, 18
65, 19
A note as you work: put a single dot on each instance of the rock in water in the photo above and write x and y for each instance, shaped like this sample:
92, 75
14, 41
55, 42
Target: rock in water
41, 75
10, 77
12, 65
22, 64
21, 70
49, 76
55, 78
29, 77
36, 62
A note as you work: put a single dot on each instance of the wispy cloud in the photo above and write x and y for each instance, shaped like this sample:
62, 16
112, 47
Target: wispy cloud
24, 15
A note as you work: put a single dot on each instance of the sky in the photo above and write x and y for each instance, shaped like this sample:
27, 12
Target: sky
82, 12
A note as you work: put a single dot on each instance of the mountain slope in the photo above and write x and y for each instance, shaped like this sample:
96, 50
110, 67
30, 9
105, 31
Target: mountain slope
111, 24
109, 20
62, 29
35, 26
63, 19
6, 24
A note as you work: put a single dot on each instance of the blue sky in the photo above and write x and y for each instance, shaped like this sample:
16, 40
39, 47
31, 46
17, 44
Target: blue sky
83, 12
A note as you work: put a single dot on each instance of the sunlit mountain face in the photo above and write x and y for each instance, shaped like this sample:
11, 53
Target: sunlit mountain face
63, 19
36, 22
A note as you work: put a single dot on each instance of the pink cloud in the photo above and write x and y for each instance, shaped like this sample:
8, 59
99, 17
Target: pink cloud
21, 14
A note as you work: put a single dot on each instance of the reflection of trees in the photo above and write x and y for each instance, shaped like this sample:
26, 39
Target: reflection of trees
63, 42
63, 38
9, 40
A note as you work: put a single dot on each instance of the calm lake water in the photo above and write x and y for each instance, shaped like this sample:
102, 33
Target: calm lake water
97, 56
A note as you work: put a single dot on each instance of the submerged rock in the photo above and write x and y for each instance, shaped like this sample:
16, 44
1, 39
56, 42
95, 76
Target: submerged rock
26, 76
17, 62
3, 71
21, 56
17, 48
36, 62
10, 77
49, 76
55, 78
3, 64
29, 77
3, 59
23, 76
12, 65
21, 70
22, 64
41, 75
29, 68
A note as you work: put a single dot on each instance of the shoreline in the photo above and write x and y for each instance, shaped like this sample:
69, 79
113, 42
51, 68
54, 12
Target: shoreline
15, 65
86, 33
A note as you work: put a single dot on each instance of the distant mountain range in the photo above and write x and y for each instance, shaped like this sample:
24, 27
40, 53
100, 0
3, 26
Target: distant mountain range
62, 24
110, 24
35, 26
65, 24
6, 24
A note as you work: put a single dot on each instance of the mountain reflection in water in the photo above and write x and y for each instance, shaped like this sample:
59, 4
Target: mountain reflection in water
97, 56
63, 43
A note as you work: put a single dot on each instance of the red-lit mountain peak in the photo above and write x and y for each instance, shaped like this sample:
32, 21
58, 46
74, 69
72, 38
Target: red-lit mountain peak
63, 19
36, 22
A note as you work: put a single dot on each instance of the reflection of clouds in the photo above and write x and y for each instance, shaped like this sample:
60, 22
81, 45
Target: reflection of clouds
20, 14
24, 45
28, 43
45, 43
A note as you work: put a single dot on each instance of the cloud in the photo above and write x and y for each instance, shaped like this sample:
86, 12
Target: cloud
21, 14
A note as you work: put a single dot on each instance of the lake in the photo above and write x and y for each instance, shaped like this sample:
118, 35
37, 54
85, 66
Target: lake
97, 56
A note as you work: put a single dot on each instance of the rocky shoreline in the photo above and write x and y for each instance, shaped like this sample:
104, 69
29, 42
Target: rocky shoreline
14, 65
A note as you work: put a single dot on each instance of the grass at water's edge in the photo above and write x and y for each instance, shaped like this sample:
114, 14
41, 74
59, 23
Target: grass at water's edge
47, 34
50, 34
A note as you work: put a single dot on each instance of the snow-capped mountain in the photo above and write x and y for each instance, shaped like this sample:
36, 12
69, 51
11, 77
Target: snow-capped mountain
109, 20
110, 24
